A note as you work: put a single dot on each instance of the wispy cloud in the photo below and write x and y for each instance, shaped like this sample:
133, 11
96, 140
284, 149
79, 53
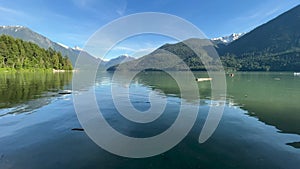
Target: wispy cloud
272, 12
103, 9
13, 16
3, 9
142, 52
115, 52
135, 52
124, 48
9, 11
256, 16
122, 8
82, 3
120, 12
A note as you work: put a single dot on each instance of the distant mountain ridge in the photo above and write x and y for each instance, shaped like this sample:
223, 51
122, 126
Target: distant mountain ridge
273, 46
280, 33
173, 57
26, 34
118, 60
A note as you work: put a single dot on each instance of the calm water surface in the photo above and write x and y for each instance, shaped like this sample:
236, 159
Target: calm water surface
259, 129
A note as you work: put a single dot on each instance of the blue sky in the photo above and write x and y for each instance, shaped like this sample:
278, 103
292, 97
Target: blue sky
72, 22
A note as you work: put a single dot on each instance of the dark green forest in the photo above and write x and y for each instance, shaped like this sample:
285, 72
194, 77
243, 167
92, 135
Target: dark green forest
18, 54
264, 61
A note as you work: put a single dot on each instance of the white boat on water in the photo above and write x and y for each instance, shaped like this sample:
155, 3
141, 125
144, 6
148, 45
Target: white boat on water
296, 73
203, 79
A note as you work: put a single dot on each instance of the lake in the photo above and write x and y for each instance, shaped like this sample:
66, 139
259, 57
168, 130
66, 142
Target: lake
260, 126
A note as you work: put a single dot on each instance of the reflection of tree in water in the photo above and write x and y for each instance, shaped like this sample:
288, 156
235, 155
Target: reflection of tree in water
18, 88
164, 82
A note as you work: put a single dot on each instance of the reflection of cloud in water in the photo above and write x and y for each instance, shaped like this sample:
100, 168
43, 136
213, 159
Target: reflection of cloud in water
32, 105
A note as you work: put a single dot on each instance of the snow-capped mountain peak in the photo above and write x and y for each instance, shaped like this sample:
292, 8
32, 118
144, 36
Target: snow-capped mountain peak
228, 39
12, 28
65, 46
77, 48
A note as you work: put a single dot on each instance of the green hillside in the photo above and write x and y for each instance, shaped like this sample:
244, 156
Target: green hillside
18, 54
177, 56
273, 46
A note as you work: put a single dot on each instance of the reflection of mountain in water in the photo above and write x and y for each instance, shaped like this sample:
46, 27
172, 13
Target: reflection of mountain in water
20, 90
271, 97
164, 82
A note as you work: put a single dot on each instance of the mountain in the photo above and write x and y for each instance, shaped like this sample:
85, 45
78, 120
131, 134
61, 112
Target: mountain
273, 46
176, 56
281, 33
26, 34
118, 60
228, 39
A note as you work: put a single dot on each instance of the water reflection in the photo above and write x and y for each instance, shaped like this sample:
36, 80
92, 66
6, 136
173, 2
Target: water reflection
164, 82
241, 141
21, 92
273, 98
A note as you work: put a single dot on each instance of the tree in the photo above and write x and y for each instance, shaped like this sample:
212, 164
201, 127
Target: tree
18, 54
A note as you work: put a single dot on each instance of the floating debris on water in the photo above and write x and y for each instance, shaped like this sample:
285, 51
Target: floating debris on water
203, 79
77, 129
65, 92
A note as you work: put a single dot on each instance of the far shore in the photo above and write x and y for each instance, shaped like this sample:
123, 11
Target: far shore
59, 71
10, 70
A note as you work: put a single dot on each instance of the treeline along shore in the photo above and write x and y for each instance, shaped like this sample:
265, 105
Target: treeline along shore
16, 54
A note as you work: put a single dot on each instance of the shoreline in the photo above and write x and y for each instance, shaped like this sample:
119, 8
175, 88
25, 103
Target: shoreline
11, 70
